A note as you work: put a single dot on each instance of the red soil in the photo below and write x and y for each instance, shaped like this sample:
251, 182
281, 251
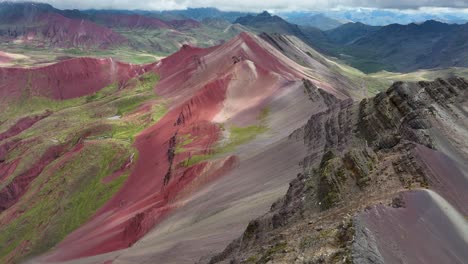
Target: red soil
16, 209
174, 78
68, 156
67, 79
258, 72
158, 177
6, 147
120, 171
14, 190
196, 83
22, 124
4, 58
6, 169
10, 194
189, 68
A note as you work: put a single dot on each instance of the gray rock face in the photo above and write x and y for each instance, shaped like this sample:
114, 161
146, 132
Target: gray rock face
364, 247
363, 156
403, 111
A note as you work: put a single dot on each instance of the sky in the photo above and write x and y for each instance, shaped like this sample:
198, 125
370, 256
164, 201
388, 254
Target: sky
258, 5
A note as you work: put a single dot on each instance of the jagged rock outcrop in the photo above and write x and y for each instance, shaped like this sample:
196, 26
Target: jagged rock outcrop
363, 158
403, 111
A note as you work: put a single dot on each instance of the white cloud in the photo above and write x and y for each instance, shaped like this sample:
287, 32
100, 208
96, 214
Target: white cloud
254, 5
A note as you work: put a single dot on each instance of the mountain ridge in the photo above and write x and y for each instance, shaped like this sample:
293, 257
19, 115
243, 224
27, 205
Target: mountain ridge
303, 223
228, 143
252, 66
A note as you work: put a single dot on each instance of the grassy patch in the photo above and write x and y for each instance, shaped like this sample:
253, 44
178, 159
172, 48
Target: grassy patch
128, 104
146, 82
421, 75
251, 260
106, 91
237, 136
70, 189
158, 111
64, 198
276, 249
182, 143
29, 155
36, 105
195, 159
241, 135
306, 242
126, 131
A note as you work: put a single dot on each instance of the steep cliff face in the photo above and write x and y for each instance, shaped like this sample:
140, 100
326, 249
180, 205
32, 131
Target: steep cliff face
373, 170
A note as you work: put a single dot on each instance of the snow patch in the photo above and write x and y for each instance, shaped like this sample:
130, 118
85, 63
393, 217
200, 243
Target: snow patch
117, 117
253, 68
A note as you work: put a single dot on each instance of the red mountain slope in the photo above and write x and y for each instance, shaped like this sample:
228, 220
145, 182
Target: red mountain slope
4, 58
65, 80
232, 84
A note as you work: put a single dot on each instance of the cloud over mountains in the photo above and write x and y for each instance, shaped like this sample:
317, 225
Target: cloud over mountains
249, 5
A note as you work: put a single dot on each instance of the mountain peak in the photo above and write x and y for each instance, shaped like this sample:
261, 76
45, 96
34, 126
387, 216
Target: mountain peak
245, 35
27, 5
264, 14
432, 22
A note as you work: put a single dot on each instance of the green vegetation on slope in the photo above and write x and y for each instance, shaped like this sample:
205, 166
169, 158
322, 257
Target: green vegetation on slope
144, 45
31, 55
64, 196
237, 136
71, 188
380, 81
421, 75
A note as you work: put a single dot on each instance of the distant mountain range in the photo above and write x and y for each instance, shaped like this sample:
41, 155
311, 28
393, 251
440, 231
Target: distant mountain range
265, 22
181, 137
405, 48
325, 20
41, 26
350, 32
395, 47
198, 14
319, 21
380, 17
208, 12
